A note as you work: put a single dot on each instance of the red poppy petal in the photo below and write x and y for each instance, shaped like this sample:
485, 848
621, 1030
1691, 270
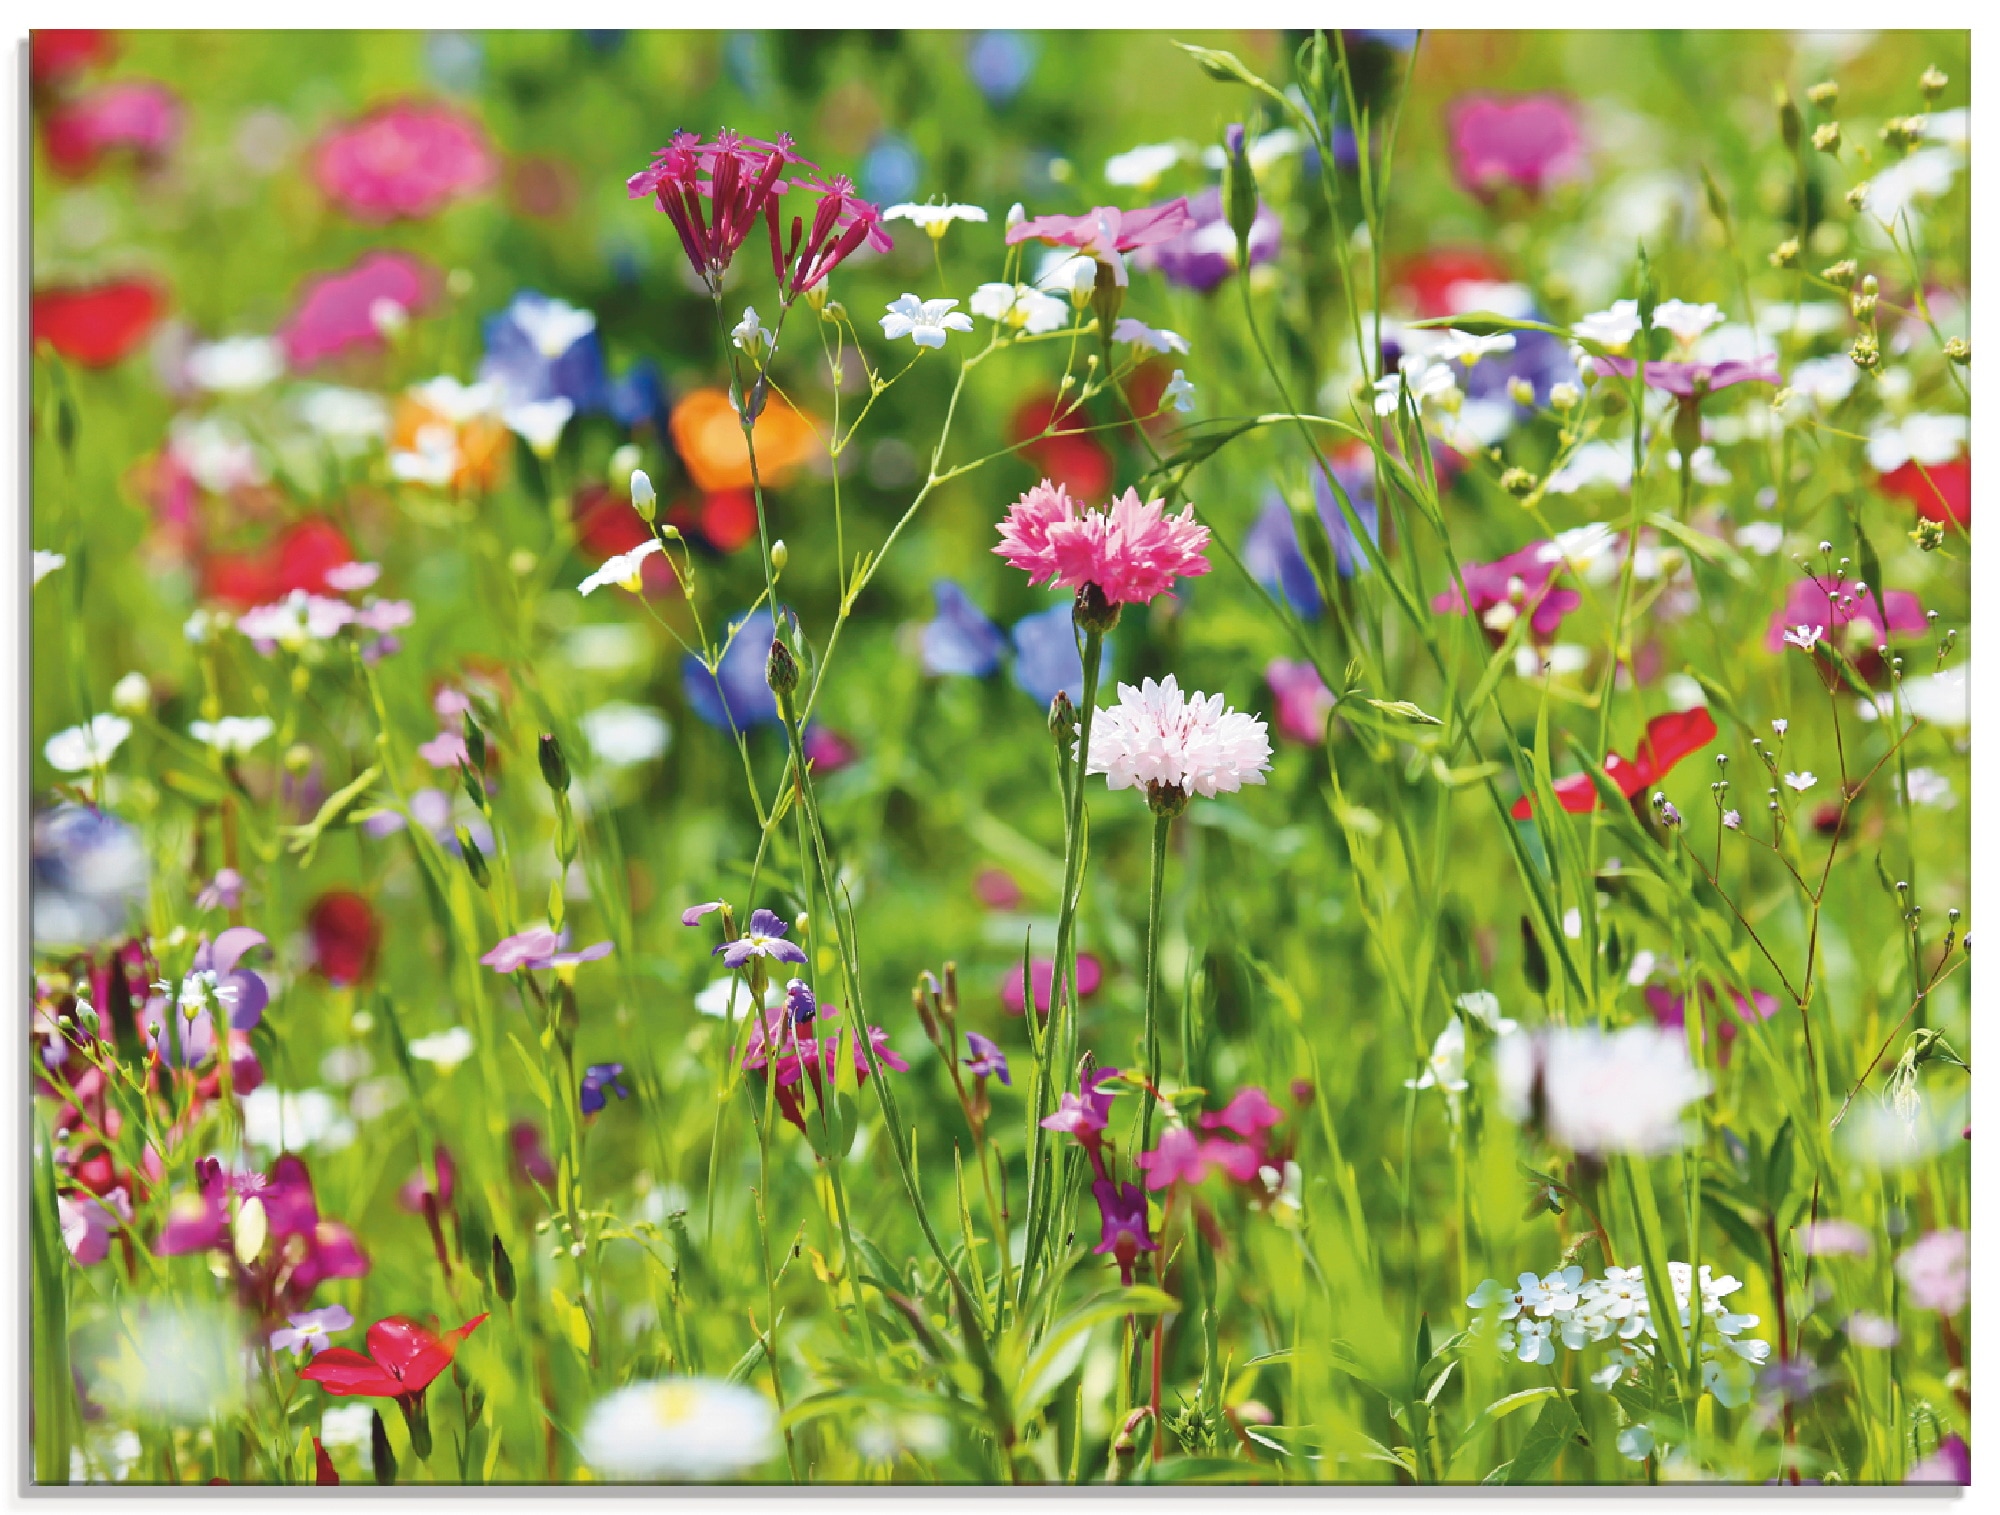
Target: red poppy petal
1575, 794
341, 1371
1668, 739
99, 325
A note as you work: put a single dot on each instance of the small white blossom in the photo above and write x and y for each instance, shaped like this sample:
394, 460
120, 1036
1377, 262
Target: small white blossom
1142, 335
1179, 393
47, 563
433, 461
687, 1429
1685, 321
924, 322
1137, 167
626, 570
1801, 782
749, 334
1929, 440
233, 735
540, 423
1020, 307
444, 1049
81, 748
1421, 379
1923, 786
935, 219
1600, 1092
1611, 328
133, 695
622, 735
1464, 347
236, 365
1805, 638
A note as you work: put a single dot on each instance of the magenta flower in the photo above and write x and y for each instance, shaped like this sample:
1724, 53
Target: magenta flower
1089, 974
1690, 381
739, 179
1937, 1271
987, 1060
1522, 583
223, 892
793, 1057
693, 914
1108, 233
529, 1153
765, 938
411, 1195
1248, 1113
537, 948
303, 1250
1832, 605
344, 310
88, 1222
1131, 551
1185, 1158
1302, 698
1126, 1233
842, 222
135, 114
1085, 1114
1529, 142
1670, 1009
828, 751
409, 159
1950, 1463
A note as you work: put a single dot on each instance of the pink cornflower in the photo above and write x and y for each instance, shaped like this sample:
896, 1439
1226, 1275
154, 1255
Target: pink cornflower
1131, 551
1521, 583
1531, 142
1690, 381
345, 309
1846, 614
408, 159
1107, 233
1302, 697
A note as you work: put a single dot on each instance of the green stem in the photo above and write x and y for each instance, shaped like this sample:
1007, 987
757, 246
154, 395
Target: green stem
1162, 822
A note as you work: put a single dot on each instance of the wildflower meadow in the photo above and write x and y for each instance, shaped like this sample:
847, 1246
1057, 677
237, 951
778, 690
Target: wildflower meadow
999, 758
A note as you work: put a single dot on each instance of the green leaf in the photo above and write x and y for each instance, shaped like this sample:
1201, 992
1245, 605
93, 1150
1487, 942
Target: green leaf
1405, 711
1555, 1428
1051, 1362
305, 839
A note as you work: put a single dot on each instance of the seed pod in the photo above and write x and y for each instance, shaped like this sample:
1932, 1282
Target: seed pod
555, 767
781, 669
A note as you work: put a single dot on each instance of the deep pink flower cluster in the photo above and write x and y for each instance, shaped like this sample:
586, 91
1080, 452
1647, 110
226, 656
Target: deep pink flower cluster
1185, 1156
408, 159
1523, 580
1131, 550
343, 310
1531, 143
301, 1249
1833, 605
741, 180
781, 1044
1126, 1229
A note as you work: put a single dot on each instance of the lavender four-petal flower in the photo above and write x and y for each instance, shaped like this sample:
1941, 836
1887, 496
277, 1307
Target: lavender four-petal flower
309, 1329
765, 938
987, 1060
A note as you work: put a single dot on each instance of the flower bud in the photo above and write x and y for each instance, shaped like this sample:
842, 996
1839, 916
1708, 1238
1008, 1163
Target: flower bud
1788, 120
381, 1458
1932, 83
780, 556
522, 562
132, 695
1824, 94
555, 767
1520, 391
1107, 295
1239, 192
1092, 611
1958, 350
475, 860
1929, 536
1903, 132
1842, 272
1826, 137
298, 758
1786, 254
1062, 720
1565, 396
475, 744
1518, 482
781, 669
503, 1270
644, 500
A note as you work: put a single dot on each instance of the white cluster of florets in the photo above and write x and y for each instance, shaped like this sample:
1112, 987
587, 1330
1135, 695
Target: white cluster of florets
1566, 1306
1157, 736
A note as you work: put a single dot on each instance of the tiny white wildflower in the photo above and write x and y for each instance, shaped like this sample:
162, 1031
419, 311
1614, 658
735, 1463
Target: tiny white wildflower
924, 322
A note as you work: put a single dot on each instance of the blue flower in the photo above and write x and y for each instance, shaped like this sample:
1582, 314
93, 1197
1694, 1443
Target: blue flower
890, 171
638, 397
736, 696
1543, 360
543, 349
1000, 63
596, 1079
961, 639
1045, 656
1271, 551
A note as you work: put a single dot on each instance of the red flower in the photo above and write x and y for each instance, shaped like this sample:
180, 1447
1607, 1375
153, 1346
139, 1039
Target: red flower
323, 1469
403, 1358
98, 324
344, 935
1430, 278
298, 560
55, 55
1071, 456
1940, 491
1668, 739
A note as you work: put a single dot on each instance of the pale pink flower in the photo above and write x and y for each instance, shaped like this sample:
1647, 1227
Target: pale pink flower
1833, 1238
1161, 739
407, 159
1937, 1270
1131, 551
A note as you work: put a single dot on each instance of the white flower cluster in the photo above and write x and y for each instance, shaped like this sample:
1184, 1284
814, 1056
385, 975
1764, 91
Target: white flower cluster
1580, 1312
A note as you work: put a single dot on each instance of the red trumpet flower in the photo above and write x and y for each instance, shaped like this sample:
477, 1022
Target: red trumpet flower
1668, 739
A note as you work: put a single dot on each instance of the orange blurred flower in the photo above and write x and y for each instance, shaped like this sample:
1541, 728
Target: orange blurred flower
710, 441
466, 450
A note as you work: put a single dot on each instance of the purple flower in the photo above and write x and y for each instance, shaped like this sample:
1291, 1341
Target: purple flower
596, 1079
799, 1002
765, 938
1691, 381
1203, 256
223, 892
1950, 1463
1122, 1208
735, 697
244, 991
536, 948
308, 1331
1937, 1272
88, 1221
445, 750
1045, 655
987, 1060
1539, 357
1086, 1113
961, 640
543, 349
1271, 549
693, 914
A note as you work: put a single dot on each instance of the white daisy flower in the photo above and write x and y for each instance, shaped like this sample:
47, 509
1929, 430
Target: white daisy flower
234, 735
1021, 307
1464, 347
1612, 328
691, 1430
1685, 321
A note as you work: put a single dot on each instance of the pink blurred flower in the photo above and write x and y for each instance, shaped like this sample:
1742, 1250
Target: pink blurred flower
88, 1221
410, 158
1833, 1238
132, 113
1131, 551
1089, 974
1832, 605
340, 310
1950, 1463
445, 750
411, 1195
1529, 142
1184, 1158
1107, 232
1521, 582
997, 890
1302, 697
1248, 1112
1937, 1271
828, 751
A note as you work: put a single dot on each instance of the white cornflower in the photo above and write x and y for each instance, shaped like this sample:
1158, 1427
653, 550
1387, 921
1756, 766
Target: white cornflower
1137, 167
622, 734
233, 735
1176, 744
1139, 333
749, 333
1612, 328
1464, 347
1801, 782
82, 748
624, 570
444, 1049
1020, 307
935, 219
1601, 1092
47, 563
1805, 638
1685, 321
924, 322
236, 364
540, 423
1179, 393
692, 1430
